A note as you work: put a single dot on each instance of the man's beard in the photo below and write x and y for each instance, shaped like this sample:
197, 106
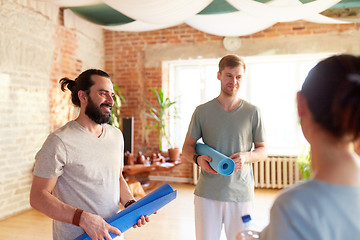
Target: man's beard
228, 92
95, 114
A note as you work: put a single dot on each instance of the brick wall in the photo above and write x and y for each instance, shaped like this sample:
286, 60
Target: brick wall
79, 46
135, 61
126, 62
26, 51
36, 50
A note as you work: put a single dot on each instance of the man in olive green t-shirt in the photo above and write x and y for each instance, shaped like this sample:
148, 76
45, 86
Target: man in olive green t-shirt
233, 127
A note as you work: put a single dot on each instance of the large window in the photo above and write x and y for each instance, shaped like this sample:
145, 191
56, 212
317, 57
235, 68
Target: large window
271, 83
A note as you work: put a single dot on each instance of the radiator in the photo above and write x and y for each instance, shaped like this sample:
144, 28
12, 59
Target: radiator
274, 172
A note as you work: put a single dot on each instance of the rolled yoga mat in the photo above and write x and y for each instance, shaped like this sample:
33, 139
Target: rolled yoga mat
144, 207
220, 163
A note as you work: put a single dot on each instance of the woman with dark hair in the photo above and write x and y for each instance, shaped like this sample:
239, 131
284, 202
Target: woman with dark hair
327, 206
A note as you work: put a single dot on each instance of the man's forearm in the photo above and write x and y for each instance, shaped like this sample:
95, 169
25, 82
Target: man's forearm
46, 203
125, 193
188, 150
188, 153
257, 155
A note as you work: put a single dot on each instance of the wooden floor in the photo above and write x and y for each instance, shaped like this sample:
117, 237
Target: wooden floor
173, 222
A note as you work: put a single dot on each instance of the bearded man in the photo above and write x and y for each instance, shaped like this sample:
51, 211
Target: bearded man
78, 178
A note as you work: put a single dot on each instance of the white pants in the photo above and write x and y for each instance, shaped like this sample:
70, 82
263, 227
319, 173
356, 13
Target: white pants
210, 215
119, 238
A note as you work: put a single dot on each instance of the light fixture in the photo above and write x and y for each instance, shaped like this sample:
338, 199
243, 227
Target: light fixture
232, 44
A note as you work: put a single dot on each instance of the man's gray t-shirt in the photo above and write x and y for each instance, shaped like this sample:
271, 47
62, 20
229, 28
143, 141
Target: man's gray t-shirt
88, 170
228, 133
315, 210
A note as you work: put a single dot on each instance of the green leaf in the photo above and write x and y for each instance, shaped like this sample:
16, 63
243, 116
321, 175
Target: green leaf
161, 112
115, 113
304, 163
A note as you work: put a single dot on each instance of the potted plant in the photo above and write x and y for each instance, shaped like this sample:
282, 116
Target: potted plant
305, 163
161, 113
115, 113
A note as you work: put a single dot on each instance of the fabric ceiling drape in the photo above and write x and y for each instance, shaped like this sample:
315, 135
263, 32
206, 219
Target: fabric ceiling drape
230, 17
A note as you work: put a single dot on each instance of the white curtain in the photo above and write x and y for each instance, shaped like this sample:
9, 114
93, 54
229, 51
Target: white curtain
229, 24
252, 16
283, 10
159, 11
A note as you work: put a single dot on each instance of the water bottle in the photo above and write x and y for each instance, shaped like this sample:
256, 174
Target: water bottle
248, 231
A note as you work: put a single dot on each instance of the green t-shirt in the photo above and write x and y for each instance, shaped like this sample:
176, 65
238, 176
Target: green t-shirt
228, 133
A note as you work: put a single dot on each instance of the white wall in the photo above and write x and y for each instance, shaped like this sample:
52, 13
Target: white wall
28, 54
26, 48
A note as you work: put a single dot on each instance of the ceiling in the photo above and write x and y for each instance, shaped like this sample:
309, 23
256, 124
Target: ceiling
217, 17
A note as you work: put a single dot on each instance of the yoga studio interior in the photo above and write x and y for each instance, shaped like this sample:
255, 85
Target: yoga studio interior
151, 48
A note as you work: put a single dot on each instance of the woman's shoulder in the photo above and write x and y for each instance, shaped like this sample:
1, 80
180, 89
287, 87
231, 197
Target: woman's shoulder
298, 193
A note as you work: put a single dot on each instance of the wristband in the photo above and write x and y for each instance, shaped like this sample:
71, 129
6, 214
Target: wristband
129, 203
77, 216
195, 158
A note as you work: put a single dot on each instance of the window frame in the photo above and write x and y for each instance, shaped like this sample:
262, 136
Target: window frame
246, 90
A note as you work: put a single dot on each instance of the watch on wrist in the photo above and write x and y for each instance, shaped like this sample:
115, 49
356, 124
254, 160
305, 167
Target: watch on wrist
129, 203
195, 158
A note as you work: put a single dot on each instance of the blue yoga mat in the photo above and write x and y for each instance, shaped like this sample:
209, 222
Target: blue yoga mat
220, 163
144, 207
